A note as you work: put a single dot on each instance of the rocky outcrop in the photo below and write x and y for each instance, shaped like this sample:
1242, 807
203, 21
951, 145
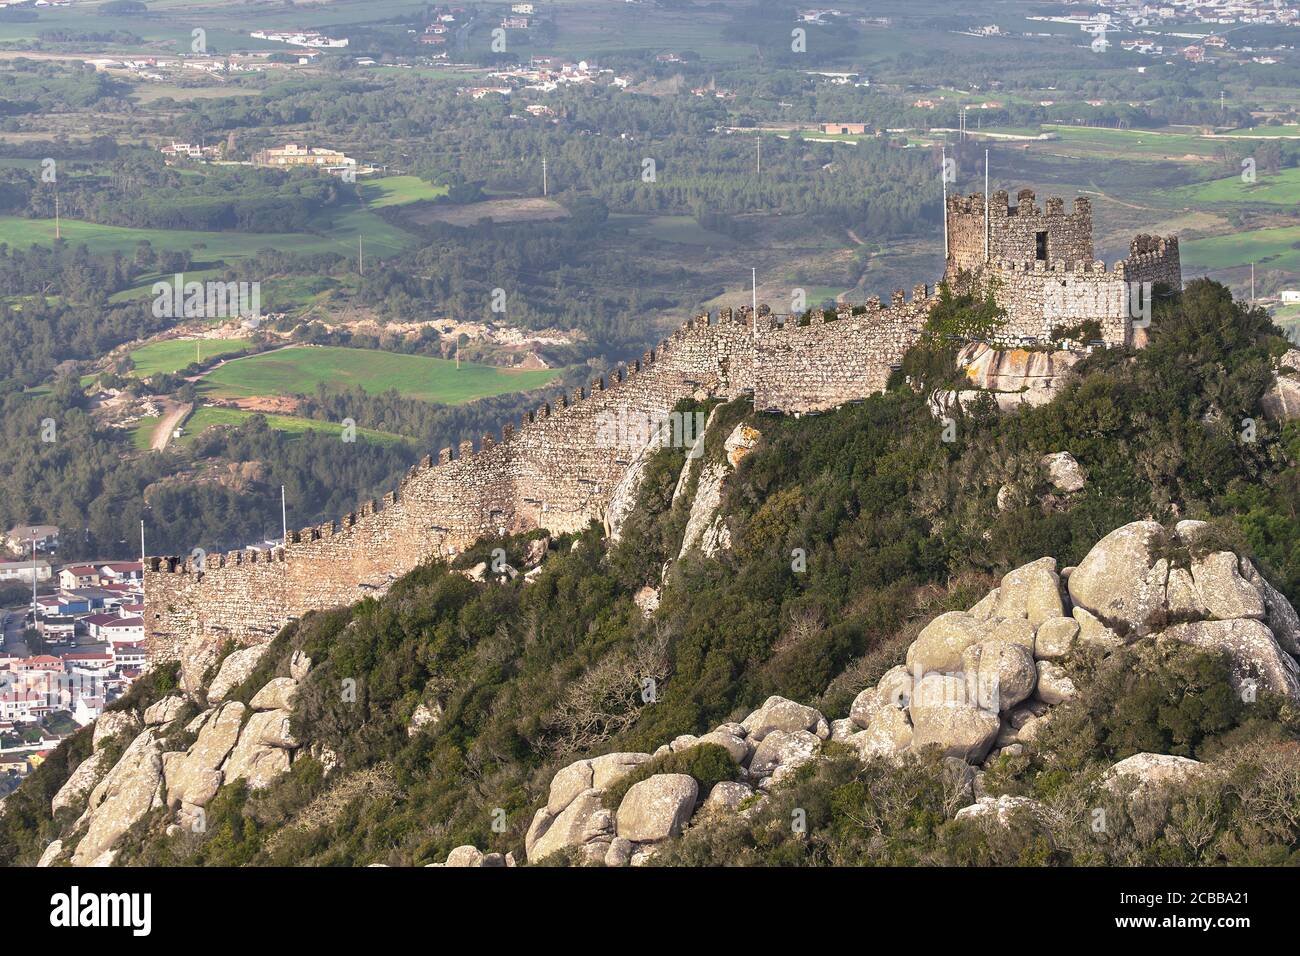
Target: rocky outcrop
705, 528
235, 669
130, 790
1013, 377
82, 781
1282, 400
1143, 772
114, 723
232, 742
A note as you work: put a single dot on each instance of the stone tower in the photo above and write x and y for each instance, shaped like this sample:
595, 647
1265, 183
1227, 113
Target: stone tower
1020, 233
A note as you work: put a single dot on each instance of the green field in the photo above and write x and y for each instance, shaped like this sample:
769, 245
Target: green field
174, 354
338, 233
1274, 248
1130, 143
398, 191
1265, 131
296, 371
142, 433
208, 416
1278, 189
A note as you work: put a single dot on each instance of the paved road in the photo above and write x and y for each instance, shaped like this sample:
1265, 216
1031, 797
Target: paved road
13, 633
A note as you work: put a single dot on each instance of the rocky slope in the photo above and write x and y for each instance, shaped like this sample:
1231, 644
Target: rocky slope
975, 684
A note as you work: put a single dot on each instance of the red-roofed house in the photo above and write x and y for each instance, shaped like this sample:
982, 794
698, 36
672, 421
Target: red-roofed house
78, 576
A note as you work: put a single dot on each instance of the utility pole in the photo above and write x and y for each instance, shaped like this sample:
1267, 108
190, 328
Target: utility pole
142, 561
943, 175
754, 274
284, 519
361, 256
1252, 285
57, 231
543, 176
759, 166
33, 578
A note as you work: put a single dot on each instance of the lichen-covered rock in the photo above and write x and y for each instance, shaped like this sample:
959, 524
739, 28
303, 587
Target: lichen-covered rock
1055, 637
194, 779
895, 688
1152, 770
1182, 599
1121, 582
943, 712
1015, 630
1281, 618
257, 764
738, 747
656, 808
270, 728
112, 723
778, 713
551, 833
727, 795
1093, 633
81, 781
299, 665
984, 608
426, 714
965, 732
1224, 593
567, 784
50, 854
1032, 591
1004, 673
1054, 686
1003, 810
940, 644
889, 732
1256, 659
609, 769
129, 791
277, 694
620, 852
782, 749
1064, 472
164, 710
234, 670
470, 856
863, 708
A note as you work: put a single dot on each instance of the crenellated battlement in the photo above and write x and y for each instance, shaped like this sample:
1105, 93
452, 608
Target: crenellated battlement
1040, 266
558, 467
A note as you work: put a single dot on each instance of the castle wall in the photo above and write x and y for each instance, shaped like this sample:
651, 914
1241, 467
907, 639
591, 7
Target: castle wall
825, 364
559, 468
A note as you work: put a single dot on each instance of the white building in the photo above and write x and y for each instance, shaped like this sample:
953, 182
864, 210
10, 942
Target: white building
24, 571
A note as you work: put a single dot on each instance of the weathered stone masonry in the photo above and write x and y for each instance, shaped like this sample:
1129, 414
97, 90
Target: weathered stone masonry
1040, 265
558, 469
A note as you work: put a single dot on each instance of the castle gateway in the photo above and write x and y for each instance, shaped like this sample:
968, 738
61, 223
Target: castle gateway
559, 468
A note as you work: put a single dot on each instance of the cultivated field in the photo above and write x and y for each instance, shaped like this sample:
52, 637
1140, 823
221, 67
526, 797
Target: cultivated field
297, 370
209, 416
173, 355
500, 210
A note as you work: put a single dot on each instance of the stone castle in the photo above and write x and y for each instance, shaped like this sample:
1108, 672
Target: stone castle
560, 467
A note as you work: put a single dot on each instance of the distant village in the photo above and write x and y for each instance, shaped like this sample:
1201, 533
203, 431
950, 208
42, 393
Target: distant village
73, 647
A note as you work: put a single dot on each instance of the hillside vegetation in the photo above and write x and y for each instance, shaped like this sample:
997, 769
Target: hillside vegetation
848, 532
